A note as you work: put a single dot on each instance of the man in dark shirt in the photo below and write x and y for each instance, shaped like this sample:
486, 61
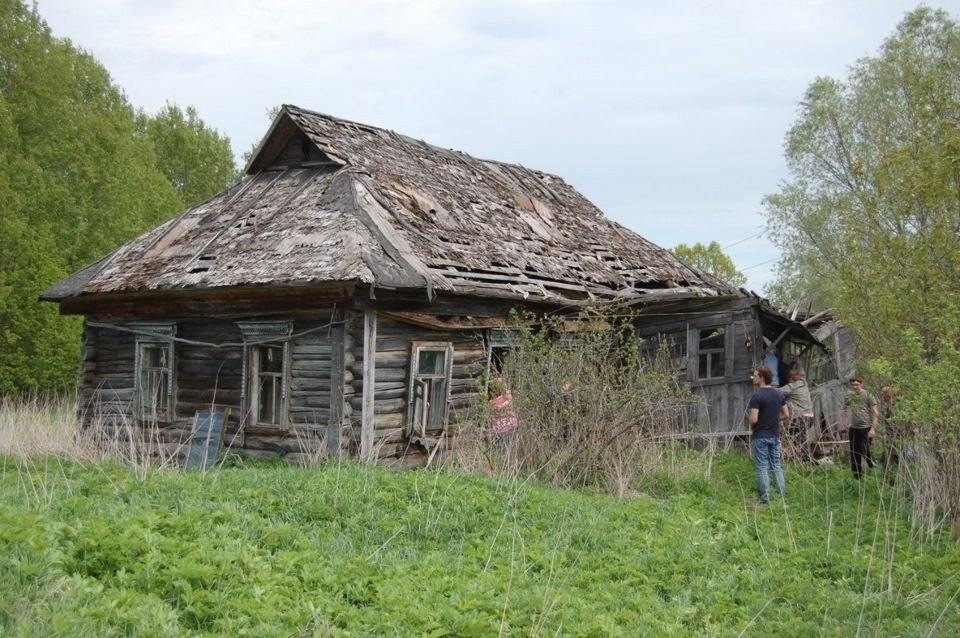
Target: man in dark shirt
765, 409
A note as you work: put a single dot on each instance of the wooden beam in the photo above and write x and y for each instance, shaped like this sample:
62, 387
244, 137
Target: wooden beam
369, 384
337, 368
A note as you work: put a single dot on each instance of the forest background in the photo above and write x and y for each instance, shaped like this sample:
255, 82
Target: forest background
83, 171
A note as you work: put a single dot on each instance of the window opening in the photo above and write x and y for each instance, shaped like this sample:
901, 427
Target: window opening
266, 364
672, 345
429, 387
154, 372
712, 349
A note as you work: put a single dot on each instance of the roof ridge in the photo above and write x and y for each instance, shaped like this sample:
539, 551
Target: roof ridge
407, 139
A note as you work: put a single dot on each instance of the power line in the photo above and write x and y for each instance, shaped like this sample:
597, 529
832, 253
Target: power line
744, 239
760, 264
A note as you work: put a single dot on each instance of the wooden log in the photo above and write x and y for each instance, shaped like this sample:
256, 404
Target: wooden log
304, 415
386, 374
309, 385
211, 367
311, 372
313, 417
384, 406
315, 350
389, 422
468, 356
220, 396
310, 401
386, 435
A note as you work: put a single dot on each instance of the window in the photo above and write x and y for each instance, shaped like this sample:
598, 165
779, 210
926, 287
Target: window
712, 353
430, 371
153, 382
500, 341
670, 348
266, 351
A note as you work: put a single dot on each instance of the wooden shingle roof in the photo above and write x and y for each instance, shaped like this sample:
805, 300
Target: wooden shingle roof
327, 200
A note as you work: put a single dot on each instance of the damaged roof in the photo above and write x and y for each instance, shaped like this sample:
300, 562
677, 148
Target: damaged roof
327, 200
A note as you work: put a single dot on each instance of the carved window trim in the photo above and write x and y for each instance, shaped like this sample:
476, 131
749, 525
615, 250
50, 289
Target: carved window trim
154, 372
262, 340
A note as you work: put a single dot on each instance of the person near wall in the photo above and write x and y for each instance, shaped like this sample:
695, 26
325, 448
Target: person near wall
765, 409
797, 396
503, 419
861, 414
772, 362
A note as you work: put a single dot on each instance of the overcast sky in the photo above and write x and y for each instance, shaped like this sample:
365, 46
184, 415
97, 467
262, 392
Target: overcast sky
670, 116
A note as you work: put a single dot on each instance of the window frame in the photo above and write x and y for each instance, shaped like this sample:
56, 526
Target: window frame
414, 428
257, 337
500, 342
722, 355
676, 346
154, 336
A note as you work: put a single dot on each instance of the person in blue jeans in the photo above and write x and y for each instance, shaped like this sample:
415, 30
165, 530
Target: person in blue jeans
766, 408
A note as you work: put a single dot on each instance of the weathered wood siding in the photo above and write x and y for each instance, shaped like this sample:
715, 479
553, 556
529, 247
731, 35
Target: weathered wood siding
723, 400
208, 371
106, 380
392, 376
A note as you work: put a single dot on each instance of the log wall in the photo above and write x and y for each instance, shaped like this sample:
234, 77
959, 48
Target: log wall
208, 371
392, 377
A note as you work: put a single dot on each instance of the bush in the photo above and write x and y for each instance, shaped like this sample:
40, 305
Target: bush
589, 410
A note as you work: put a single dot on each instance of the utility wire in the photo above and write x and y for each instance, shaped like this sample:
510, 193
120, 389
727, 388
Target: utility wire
760, 264
744, 239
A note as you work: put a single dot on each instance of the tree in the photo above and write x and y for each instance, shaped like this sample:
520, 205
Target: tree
196, 159
869, 222
79, 177
711, 259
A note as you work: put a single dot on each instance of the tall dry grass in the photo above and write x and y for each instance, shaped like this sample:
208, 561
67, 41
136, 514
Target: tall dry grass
36, 427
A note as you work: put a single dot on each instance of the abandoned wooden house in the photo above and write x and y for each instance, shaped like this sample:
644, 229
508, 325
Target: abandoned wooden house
345, 295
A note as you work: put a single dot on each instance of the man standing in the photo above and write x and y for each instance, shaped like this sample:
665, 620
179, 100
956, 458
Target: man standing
765, 409
800, 405
861, 414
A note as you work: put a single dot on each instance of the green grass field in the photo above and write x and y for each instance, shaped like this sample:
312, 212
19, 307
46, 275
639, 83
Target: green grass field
348, 550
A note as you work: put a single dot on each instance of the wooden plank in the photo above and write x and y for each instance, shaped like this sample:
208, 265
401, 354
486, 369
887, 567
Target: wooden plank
335, 446
369, 381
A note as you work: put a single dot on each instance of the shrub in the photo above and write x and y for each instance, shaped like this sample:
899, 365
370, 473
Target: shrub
588, 410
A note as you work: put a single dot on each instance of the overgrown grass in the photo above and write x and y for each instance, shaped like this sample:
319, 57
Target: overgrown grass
99, 549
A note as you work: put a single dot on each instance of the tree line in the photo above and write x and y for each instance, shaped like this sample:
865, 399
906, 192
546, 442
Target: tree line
869, 225
83, 171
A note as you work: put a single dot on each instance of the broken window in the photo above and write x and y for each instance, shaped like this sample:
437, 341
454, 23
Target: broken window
266, 354
431, 367
500, 342
153, 381
671, 347
712, 353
